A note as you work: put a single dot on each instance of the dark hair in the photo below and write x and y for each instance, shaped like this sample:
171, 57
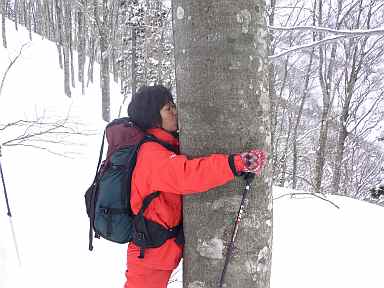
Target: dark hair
146, 104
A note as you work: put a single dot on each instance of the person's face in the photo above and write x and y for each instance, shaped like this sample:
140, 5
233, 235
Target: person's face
169, 117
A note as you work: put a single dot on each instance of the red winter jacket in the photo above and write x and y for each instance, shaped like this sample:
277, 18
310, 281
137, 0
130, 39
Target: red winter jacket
158, 169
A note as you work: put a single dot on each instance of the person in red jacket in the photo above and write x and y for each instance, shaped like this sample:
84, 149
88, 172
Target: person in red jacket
158, 169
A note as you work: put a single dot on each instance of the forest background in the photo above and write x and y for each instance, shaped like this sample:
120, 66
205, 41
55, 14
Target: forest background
326, 86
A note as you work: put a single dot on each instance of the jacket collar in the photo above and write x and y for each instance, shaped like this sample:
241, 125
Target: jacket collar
164, 135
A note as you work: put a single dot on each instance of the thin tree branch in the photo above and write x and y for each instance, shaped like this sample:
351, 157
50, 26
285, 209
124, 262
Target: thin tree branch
13, 61
303, 193
45, 149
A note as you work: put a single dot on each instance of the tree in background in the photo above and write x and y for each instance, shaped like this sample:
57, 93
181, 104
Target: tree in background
339, 102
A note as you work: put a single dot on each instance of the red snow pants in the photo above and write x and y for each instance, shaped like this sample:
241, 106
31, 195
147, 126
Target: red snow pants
143, 277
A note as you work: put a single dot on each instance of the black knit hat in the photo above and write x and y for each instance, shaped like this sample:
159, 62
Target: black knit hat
145, 105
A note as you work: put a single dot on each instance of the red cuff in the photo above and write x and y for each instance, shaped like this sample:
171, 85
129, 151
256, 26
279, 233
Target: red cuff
239, 164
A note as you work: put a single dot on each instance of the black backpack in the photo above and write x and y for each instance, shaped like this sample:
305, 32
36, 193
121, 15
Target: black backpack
108, 198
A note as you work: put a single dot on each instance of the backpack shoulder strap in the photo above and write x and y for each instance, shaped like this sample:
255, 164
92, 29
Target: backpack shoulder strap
150, 138
100, 154
147, 200
91, 193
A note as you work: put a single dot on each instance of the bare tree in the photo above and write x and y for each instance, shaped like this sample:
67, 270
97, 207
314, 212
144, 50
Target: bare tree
16, 11
304, 96
102, 17
55, 136
65, 12
3, 15
326, 73
81, 43
354, 61
11, 64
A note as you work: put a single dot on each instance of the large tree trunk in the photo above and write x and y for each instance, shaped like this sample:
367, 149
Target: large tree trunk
222, 89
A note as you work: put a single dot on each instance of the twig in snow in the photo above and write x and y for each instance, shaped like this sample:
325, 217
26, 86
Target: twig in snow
303, 193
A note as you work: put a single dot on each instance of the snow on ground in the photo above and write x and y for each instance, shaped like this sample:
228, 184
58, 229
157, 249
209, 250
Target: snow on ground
318, 245
315, 244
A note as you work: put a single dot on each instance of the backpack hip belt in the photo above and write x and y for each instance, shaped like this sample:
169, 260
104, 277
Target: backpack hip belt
149, 234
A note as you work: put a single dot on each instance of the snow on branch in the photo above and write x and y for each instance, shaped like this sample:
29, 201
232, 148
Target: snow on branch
339, 34
355, 32
305, 46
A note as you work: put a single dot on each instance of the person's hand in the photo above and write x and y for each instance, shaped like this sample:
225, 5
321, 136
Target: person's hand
253, 161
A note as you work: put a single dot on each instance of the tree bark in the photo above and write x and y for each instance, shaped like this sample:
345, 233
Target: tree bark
221, 52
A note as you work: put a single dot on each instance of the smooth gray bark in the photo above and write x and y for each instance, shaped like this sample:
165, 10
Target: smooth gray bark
221, 52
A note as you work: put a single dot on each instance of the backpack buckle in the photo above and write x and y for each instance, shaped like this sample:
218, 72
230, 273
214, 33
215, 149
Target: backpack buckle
105, 210
140, 236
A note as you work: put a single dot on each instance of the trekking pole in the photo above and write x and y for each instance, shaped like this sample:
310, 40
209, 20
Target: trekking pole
248, 177
9, 214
